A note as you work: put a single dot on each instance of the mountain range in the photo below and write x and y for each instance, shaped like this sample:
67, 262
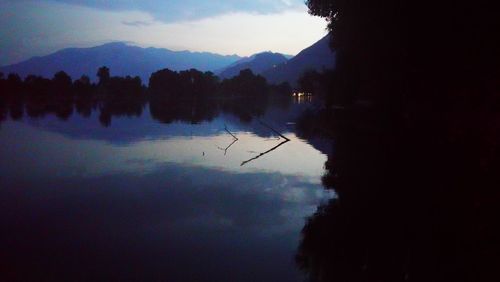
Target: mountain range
123, 59
277, 68
258, 63
316, 57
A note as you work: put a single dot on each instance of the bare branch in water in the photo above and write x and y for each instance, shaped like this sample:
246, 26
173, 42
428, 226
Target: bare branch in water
274, 130
273, 138
234, 141
266, 152
227, 130
225, 149
270, 150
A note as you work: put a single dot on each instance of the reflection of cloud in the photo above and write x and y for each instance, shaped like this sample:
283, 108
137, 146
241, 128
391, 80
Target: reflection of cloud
176, 211
219, 192
136, 23
94, 158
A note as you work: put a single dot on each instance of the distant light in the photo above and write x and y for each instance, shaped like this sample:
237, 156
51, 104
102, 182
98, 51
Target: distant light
301, 94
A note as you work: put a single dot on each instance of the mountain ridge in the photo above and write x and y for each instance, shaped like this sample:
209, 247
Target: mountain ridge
122, 59
257, 63
316, 57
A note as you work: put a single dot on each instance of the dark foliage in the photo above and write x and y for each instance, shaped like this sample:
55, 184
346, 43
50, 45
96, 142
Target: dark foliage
103, 75
184, 85
246, 84
190, 95
37, 96
416, 145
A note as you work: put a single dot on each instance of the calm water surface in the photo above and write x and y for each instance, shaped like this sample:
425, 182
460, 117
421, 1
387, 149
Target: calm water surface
142, 200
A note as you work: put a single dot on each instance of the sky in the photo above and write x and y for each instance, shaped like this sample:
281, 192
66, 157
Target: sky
39, 27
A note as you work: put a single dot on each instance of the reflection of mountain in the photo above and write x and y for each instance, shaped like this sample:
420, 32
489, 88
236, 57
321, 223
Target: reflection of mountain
258, 63
316, 57
122, 59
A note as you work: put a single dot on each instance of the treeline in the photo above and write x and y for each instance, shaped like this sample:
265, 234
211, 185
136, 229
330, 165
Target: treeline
191, 95
183, 85
37, 96
194, 84
244, 95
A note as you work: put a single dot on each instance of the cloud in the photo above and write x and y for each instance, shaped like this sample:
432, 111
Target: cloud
136, 23
172, 11
29, 28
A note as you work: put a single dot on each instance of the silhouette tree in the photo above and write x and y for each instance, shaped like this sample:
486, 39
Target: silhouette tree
104, 75
414, 161
82, 85
3, 98
61, 82
13, 83
2, 83
164, 82
37, 85
308, 80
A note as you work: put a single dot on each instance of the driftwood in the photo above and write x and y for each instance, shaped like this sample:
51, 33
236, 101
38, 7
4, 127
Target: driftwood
266, 152
225, 128
227, 148
270, 150
234, 140
273, 130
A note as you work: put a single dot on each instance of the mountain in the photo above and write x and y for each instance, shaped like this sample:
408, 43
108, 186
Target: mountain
317, 57
258, 63
122, 59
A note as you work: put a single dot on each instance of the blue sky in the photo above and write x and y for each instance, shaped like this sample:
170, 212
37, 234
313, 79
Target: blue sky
38, 27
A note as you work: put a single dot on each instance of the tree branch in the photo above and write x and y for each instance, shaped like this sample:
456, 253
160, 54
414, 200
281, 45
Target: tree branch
227, 130
266, 152
225, 149
274, 130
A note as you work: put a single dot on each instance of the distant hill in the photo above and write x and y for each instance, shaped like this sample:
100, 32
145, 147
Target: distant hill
122, 59
317, 57
258, 63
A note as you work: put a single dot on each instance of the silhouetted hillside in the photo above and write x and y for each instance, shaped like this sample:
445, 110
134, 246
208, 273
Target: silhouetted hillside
317, 57
121, 58
258, 63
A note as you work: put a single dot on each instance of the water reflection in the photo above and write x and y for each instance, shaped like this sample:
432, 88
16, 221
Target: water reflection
143, 200
302, 99
56, 154
177, 223
409, 207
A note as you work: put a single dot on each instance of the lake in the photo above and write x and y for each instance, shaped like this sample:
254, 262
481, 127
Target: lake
221, 199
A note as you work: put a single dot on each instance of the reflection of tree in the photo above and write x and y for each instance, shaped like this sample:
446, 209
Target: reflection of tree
416, 152
167, 111
409, 207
